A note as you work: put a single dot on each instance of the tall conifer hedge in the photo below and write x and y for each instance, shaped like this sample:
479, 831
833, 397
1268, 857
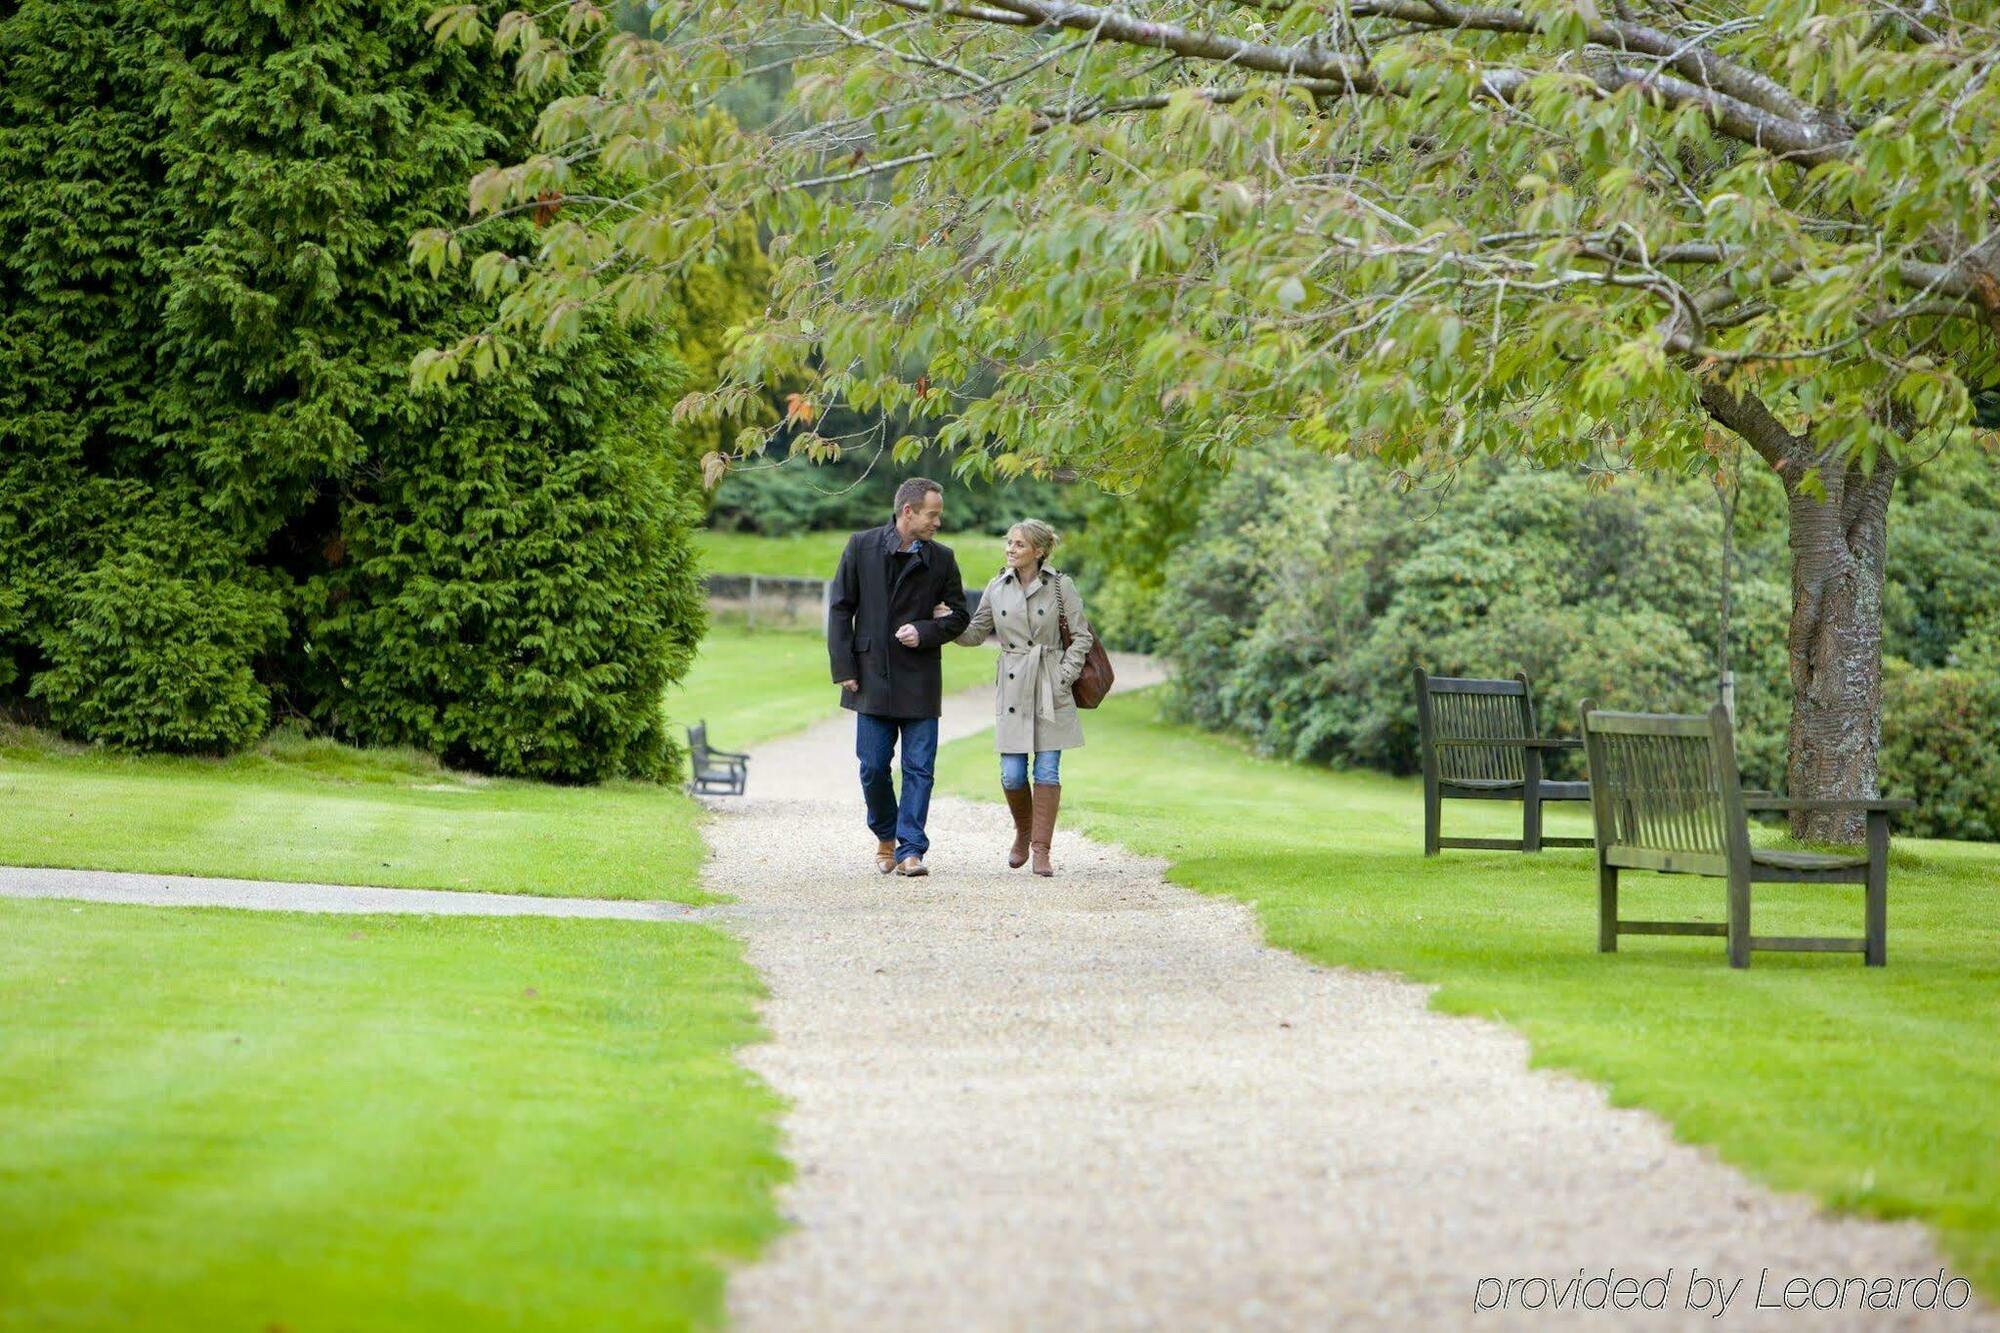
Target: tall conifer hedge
219, 500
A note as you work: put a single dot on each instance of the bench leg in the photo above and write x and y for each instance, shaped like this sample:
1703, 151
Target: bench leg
1431, 812
1607, 908
1739, 919
1876, 952
1531, 801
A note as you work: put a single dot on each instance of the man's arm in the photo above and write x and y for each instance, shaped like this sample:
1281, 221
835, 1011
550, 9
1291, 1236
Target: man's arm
945, 628
840, 619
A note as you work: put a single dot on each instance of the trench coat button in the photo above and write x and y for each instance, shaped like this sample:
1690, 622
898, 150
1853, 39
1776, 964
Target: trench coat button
1010, 710
1010, 675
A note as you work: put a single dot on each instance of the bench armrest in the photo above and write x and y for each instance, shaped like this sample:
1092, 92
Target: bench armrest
714, 753
1882, 806
1514, 743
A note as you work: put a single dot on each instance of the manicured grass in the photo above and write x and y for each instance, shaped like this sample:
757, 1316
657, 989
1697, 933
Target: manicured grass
753, 685
799, 554
312, 810
221, 1120
817, 554
1876, 1089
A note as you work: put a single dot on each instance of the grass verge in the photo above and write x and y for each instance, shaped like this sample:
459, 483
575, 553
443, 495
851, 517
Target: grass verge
296, 809
234, 1120
1878, 1090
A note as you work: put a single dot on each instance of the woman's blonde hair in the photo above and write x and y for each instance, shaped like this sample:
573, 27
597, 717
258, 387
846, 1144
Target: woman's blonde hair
1038, 535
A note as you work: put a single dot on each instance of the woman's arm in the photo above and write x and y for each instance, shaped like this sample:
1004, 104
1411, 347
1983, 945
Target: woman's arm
980, 628
1080, 635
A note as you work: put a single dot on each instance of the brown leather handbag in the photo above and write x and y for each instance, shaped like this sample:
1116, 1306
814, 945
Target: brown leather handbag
1095, 680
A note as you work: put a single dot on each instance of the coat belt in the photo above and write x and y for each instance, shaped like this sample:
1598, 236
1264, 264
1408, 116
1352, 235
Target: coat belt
1044, 684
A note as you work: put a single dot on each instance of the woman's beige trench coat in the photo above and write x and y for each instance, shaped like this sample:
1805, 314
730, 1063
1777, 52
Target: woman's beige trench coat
1032, 708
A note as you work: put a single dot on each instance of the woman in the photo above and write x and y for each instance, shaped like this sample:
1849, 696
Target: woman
1033, 713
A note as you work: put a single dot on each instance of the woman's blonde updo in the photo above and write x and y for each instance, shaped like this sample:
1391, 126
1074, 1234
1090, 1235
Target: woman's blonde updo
1038, 535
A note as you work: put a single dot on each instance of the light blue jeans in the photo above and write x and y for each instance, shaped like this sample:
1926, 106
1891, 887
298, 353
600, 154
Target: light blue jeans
1014, 769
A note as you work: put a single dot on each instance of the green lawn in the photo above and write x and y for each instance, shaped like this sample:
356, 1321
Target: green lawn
317, 811
799, 554
225, 1120
1876, 1089
817, 554
753, 685
313, 810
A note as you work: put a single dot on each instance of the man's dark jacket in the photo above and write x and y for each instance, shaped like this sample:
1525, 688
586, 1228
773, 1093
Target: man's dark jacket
875, 593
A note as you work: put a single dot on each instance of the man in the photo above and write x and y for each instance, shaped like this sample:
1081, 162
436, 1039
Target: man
883, 640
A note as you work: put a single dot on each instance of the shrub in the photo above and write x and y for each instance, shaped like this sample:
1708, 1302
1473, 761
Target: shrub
1940, 746
1943, 575
160, 651
1311, 589
518, 597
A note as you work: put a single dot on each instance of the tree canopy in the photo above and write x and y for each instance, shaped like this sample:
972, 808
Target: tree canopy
1104, 236
1396, 226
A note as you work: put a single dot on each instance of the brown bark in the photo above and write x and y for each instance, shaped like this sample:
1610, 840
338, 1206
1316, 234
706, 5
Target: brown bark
1839, 545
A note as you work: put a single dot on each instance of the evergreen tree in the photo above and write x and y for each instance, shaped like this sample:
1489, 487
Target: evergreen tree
219, 496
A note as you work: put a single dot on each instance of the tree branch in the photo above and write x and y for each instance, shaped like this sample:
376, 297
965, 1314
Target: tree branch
1747, 415
1808, 141
1686, 56
1293, 61
980, 13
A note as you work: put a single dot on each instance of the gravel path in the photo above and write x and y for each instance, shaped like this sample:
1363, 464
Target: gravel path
1100, 1102
109, 886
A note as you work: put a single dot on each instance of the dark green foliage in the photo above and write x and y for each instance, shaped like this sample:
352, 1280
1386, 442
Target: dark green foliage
858, 490
1941, 742
1312, 588
517, 597
1121, 549
161, 646
1943, 576
1295, 612
207, 317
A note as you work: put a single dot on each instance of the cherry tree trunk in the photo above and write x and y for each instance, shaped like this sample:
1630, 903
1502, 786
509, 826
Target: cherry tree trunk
1839, 545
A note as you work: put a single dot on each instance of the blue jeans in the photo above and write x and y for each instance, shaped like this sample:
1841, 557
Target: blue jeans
1014, 769
875, 745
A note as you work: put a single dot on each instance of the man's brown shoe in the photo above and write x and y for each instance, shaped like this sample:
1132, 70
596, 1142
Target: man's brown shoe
912, 866
885, 856
1022, 803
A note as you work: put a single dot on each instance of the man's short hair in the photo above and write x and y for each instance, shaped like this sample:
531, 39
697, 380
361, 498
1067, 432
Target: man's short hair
913, 491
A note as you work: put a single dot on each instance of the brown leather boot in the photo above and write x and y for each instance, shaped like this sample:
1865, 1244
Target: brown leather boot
1048, 799
1022, 803
885, 855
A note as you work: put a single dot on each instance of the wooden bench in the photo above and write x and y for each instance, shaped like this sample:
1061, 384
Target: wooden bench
714, 772
1666, 796
1480, 743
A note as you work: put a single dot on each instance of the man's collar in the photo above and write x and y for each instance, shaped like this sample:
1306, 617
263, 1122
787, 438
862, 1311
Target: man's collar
892, 540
